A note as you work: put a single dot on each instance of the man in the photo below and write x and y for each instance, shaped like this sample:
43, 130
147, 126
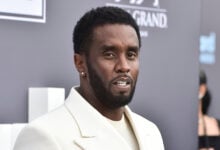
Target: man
95, 115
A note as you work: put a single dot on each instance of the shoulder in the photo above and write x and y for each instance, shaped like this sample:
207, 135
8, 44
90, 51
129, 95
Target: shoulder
48, 131
57, 122
33, 138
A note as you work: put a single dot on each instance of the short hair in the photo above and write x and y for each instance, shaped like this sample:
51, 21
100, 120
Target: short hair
202, 77
83, 31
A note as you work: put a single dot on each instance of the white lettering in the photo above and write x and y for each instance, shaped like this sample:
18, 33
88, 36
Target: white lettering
150, 19
144, 33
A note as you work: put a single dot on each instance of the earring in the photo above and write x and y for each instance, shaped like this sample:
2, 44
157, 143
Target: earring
83, 74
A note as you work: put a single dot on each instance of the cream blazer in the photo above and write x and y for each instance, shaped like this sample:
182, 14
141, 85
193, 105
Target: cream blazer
78, 126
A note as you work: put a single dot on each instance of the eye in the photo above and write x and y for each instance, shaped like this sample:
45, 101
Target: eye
132, 55
109, 55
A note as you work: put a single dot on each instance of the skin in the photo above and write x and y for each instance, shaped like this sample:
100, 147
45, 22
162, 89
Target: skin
114, 59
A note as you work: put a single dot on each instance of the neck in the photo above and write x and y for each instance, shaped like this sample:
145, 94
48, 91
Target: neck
115, 114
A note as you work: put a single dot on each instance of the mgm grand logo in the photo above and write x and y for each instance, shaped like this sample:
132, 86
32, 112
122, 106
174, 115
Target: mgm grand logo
148, 14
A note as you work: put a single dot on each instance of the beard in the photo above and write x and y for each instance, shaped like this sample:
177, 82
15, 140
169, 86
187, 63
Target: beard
104, 95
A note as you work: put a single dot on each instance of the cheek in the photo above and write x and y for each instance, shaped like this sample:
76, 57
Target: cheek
104, 70
135, 70
135, 74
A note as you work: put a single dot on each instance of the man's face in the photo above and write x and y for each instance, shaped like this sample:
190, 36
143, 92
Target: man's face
113, 64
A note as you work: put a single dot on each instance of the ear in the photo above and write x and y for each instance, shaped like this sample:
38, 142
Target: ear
80, 62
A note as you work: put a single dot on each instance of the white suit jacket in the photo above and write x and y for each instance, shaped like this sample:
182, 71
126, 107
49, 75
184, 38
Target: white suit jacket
78, 126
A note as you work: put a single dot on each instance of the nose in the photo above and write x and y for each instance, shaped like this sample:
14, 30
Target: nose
122, 65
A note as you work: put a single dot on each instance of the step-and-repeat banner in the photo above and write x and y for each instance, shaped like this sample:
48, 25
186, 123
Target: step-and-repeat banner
40, 55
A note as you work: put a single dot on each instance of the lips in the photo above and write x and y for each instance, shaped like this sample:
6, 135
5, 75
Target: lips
123, 82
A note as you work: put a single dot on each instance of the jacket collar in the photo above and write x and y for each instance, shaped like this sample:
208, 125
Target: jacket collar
142, 134
86, 116
92, 124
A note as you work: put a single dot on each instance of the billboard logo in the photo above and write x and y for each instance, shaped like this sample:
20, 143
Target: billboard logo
207, 48
147, 14
156, 3
138, 2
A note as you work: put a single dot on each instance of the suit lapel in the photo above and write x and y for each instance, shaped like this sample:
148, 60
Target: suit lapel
96, 132
140, 131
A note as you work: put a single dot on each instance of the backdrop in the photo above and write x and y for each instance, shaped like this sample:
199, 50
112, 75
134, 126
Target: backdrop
40, 55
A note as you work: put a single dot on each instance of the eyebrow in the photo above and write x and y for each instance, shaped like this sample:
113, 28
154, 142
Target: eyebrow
113, 47
134, 48
109, 47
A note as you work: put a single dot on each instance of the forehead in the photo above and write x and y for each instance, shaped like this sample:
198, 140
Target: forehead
115, 33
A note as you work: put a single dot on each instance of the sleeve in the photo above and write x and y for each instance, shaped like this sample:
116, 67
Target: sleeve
33, 138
